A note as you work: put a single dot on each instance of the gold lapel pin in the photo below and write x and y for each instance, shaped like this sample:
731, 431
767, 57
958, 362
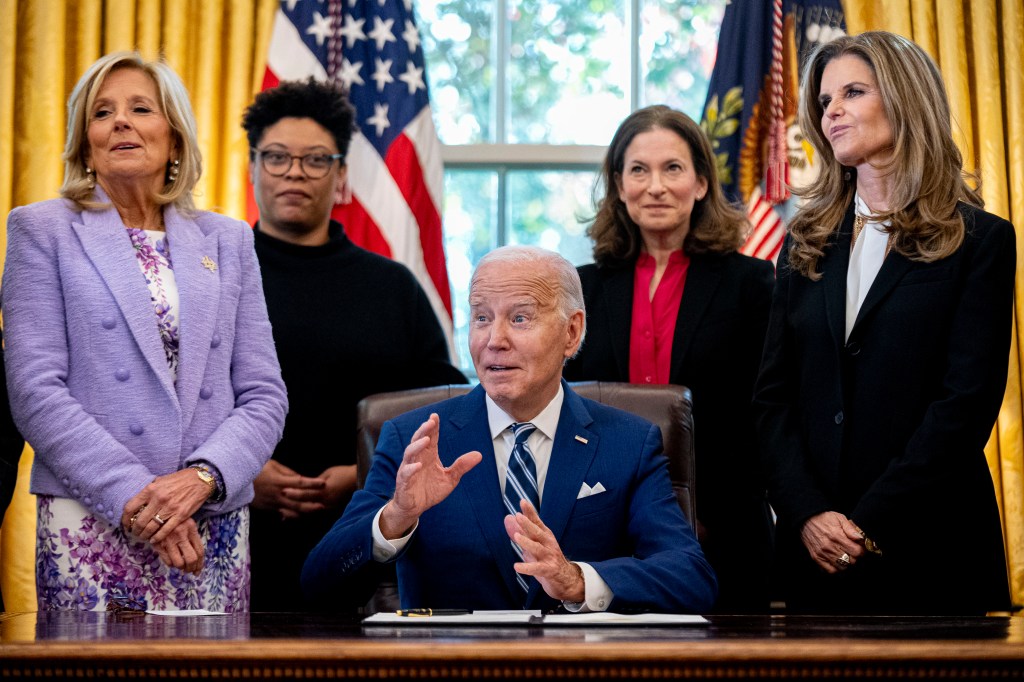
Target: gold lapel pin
209, 264
582, 439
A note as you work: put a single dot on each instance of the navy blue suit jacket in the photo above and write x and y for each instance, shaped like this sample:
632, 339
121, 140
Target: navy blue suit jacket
634, 534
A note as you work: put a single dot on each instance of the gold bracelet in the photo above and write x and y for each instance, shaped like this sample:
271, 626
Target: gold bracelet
870, 546
131, 521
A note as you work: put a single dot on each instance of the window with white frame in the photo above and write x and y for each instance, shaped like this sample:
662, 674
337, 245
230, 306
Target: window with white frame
526, 95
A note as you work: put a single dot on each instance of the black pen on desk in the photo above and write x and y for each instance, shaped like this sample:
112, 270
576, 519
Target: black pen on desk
415, 613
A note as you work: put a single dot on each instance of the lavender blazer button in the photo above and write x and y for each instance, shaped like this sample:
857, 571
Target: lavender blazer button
122, 374
215, 341
136, 429
205, 392
109, 323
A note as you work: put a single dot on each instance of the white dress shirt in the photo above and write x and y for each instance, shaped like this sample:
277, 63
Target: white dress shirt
597, 593
865, 262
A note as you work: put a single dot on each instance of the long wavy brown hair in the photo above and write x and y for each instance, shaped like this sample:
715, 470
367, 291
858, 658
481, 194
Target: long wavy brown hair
716, 226
924, 222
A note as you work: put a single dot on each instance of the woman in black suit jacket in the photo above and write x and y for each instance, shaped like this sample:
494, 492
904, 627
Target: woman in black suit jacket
664, 225
887, 350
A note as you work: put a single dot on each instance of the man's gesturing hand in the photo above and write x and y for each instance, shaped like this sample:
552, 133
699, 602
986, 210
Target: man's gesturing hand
421, 481
542, 557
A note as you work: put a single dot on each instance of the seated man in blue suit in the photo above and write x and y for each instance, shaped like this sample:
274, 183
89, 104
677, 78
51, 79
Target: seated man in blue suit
455, 488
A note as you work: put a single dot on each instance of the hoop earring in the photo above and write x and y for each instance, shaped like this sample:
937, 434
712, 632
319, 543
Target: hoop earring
90, 178
173, 168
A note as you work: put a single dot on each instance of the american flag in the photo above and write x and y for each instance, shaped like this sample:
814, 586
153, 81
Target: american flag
750, 113
394, 163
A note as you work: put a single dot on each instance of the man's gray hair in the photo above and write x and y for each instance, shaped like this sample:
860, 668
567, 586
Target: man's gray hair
570, 290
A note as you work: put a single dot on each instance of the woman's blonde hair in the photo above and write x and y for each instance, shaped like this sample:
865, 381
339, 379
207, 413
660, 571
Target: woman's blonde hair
176, 108
716, 226
923, 216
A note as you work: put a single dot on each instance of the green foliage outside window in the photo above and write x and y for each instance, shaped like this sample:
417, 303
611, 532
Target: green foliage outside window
551, 72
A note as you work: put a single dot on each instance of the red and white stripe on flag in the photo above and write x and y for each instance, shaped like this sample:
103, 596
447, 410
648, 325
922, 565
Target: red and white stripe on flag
394, 162
769, 231
765, 241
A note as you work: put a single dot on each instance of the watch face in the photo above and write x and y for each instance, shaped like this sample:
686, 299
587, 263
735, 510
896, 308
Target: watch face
206, 476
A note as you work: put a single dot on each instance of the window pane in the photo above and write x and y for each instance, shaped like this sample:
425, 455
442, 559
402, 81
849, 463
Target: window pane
552, 209
568, 71
457, 42
678, 42
470, 226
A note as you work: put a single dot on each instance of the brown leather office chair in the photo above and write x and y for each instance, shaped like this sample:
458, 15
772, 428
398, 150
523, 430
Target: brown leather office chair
668, 406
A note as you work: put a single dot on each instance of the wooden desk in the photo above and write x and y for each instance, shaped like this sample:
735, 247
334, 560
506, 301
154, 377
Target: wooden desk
70, 645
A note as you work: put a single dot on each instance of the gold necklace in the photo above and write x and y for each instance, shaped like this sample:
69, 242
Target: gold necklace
858, 225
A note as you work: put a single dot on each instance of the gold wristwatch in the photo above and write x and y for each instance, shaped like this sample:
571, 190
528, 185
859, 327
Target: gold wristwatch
206, 477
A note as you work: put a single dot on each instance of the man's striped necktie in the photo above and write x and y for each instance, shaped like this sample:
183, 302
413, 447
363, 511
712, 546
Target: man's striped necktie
521, 481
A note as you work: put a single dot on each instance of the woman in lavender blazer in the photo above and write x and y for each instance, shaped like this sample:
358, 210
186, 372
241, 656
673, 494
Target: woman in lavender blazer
140, 361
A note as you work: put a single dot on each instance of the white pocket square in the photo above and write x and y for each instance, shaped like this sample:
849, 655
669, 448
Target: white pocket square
587, 491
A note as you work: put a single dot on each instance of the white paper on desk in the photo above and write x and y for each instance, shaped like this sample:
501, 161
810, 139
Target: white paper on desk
606, 618
474, 618
187, 612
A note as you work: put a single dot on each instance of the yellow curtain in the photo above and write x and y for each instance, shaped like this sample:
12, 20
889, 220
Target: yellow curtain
218, 48
977, 45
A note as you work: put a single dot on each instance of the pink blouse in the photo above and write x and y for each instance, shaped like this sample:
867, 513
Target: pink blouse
654, 320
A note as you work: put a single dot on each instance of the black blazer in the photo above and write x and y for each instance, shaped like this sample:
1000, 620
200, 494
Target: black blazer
11, 445
716, 350
889, 426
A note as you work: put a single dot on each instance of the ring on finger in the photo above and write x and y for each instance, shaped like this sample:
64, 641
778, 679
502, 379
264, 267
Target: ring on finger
843, 561
156, 517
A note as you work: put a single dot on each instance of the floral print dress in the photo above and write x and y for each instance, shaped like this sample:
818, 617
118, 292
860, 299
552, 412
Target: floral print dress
83, 563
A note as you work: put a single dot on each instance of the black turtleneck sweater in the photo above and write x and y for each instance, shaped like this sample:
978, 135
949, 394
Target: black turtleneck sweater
347, 323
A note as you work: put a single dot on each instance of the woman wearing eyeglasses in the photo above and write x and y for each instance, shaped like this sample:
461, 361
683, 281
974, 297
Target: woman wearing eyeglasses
140, 359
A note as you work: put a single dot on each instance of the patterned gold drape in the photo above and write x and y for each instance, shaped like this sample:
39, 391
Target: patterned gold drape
977, 45
218, 48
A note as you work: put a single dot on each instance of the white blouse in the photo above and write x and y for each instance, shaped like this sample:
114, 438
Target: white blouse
865, 262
